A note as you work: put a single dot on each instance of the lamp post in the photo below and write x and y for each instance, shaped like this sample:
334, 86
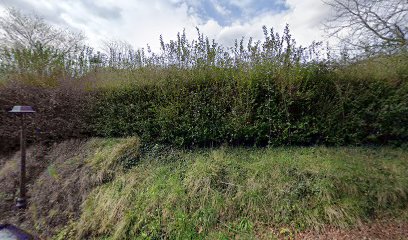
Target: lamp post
21, 111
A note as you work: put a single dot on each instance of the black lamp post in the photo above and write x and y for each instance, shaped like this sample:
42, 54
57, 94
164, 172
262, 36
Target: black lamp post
21, 111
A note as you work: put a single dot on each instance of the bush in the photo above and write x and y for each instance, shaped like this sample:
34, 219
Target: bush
214, 107
200, 94
61, 113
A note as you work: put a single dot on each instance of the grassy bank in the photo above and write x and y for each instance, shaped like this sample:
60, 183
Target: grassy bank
227, 193
116, 189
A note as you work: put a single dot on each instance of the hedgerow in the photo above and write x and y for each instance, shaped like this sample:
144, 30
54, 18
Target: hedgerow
199, 93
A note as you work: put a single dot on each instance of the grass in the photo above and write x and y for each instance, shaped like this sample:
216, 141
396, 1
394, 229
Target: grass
248, 193
60, 179
120, 189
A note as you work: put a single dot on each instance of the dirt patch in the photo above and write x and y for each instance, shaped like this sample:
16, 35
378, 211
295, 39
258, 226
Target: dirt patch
59, 185
60, 181
36, 162
60, 189
378, 230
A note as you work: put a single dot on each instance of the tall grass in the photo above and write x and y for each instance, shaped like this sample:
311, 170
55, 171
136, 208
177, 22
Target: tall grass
230, 193
119, 189
75, 168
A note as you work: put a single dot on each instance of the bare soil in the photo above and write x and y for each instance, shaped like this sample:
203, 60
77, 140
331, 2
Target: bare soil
383, 229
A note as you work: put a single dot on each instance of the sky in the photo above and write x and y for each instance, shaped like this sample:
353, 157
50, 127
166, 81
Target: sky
141, 22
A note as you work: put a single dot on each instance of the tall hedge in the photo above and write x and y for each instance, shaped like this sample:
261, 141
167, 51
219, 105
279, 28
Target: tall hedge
61, 113
215, 106
199, 93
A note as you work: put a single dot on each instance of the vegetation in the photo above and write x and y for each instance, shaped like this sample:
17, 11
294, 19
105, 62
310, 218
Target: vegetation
264, 105
194, 94
60, 178
227, 193
119, 189
370, 26
21, 30
197, 93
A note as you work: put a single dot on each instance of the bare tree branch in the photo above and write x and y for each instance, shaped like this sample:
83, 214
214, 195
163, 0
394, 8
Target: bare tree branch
27, 30
380, 25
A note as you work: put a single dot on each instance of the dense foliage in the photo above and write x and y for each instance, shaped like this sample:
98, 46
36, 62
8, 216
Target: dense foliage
198, 93
218, 106
269, 93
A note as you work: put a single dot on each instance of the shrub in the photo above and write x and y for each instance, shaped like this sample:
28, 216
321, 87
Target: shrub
61, 113
205, 109
199, 93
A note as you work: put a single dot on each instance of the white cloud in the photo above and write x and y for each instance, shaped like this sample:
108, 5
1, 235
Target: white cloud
141, 22
241, 3
220, 8
304, 18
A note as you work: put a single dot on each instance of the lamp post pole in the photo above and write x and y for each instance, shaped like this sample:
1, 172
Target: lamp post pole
21, 201
21, 111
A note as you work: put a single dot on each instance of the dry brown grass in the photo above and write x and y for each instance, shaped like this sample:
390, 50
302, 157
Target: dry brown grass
9, 175
61, 181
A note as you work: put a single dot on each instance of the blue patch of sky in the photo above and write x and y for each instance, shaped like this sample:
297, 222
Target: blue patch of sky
225, 11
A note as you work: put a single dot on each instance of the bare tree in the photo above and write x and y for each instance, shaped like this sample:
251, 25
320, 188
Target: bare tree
119, 53
370, 25
29, 30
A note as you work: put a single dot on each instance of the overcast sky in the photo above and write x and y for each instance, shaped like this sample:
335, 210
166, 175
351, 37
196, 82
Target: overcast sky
141, 22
